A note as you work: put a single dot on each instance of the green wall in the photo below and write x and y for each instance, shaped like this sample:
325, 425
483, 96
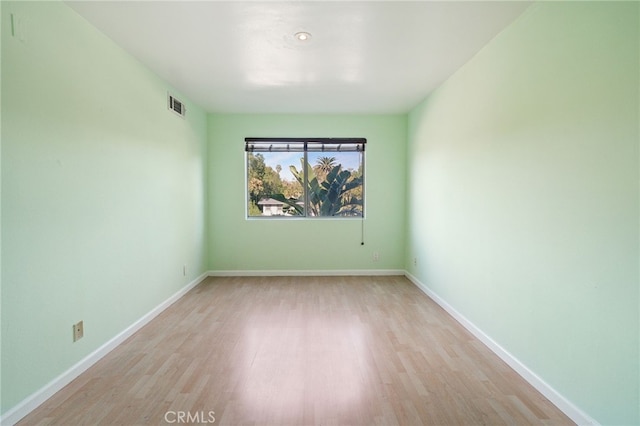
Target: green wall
523, 198
326, 245
103, 193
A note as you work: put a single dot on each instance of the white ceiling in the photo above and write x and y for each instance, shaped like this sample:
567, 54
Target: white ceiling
363, 57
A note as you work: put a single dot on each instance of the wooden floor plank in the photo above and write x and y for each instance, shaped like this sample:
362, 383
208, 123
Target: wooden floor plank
301, 351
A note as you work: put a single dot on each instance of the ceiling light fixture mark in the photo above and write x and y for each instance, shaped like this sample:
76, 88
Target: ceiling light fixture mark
302, 36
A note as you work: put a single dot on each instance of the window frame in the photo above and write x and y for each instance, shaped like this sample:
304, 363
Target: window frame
328, 145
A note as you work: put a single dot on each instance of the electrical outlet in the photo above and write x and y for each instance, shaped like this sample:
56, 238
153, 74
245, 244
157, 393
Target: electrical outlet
78, 331
376, 256
415, 261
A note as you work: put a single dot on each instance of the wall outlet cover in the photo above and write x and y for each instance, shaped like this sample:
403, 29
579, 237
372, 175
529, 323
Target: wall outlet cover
78, 331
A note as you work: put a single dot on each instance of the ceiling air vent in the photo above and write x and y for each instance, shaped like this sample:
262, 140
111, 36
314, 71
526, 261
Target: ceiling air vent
176, 106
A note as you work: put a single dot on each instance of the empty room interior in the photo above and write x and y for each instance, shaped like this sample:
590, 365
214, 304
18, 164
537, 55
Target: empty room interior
164, 260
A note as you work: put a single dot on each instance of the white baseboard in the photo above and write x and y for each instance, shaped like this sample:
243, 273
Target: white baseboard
573, 412
30, 403
306, 273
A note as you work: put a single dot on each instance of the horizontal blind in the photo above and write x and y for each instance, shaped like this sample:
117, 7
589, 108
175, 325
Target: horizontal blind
304, 144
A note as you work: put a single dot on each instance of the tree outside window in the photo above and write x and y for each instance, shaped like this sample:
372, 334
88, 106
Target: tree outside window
305, 179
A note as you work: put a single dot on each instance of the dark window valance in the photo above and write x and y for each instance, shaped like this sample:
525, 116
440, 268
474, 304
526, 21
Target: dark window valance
304, 144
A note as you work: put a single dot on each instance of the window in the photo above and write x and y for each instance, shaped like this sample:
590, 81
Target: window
291, 177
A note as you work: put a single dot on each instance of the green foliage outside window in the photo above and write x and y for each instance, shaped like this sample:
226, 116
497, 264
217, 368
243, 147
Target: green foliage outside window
332, 189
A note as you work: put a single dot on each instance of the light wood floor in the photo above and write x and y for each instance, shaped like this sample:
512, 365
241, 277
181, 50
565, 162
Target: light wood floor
301, 351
